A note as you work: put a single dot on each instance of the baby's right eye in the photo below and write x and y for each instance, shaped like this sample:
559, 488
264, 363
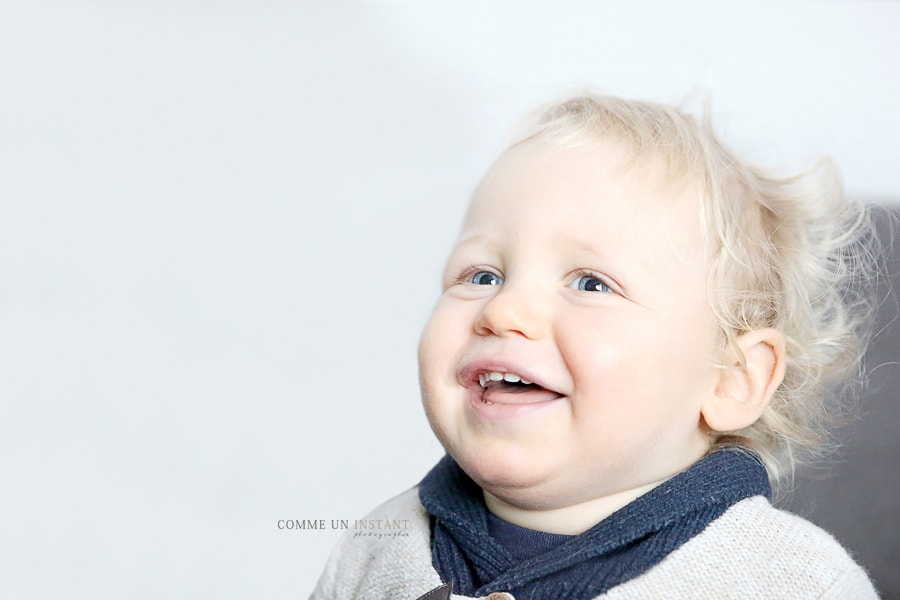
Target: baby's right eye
484, 278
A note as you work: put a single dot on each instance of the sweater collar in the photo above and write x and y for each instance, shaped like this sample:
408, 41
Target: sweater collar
624, 545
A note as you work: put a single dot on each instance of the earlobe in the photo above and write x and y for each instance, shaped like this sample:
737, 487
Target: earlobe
743, 391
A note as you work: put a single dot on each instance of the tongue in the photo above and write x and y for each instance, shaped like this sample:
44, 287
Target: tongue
517, 395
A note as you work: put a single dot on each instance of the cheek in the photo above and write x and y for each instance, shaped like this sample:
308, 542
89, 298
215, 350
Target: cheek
440, 349
429, 365
442, 338
610, 350
631, 361
430, 356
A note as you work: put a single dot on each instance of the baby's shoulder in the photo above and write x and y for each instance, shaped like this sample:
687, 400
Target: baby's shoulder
386, 554
760, 532
403, 504
755, 551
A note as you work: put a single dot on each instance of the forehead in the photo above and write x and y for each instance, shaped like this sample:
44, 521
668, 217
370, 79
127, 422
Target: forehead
596, 188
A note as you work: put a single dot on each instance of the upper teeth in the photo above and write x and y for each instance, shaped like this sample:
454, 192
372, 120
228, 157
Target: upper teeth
485, 378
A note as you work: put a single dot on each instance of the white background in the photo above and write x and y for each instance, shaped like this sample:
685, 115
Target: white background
222, 226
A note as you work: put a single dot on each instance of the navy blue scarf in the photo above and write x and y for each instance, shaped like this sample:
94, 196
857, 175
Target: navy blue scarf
624, 545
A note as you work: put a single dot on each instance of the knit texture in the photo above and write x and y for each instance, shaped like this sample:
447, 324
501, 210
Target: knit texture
752, 552
621, 547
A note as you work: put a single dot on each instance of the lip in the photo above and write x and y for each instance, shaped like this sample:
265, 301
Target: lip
468, 378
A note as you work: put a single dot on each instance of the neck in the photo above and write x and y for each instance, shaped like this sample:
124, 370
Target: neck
566, 520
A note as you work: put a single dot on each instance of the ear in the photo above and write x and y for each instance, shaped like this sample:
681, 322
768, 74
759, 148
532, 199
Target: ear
743, 391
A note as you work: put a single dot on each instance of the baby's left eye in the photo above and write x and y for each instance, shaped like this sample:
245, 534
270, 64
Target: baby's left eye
590, 283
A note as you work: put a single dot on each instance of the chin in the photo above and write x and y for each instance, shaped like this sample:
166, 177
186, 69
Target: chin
504, 473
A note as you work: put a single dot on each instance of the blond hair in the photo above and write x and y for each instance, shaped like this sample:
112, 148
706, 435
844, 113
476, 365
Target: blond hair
786, 252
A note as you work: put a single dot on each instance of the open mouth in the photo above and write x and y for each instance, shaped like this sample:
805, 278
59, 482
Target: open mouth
485, 379
512, 388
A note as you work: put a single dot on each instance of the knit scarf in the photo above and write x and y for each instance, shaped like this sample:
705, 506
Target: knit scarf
621, 547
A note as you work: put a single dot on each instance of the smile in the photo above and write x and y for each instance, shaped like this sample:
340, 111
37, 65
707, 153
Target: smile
485, 379
510, 391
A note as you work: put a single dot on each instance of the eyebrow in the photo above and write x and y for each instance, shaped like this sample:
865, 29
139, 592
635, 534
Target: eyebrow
579, 245
477, 239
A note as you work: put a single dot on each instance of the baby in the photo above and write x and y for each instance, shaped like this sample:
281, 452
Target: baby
638, 336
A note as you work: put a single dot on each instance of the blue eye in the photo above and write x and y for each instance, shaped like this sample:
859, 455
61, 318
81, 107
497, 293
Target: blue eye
590, 283
485, 278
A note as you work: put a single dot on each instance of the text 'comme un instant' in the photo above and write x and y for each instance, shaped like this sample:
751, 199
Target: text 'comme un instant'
376, 525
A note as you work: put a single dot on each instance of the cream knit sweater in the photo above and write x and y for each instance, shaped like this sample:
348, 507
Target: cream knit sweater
753, 551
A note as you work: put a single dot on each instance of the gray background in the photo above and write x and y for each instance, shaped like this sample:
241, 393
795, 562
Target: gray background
222, 226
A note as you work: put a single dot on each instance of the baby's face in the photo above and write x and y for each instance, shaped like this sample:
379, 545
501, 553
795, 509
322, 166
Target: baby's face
573, 345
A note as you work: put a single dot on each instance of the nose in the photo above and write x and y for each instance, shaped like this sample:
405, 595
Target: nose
513, 311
